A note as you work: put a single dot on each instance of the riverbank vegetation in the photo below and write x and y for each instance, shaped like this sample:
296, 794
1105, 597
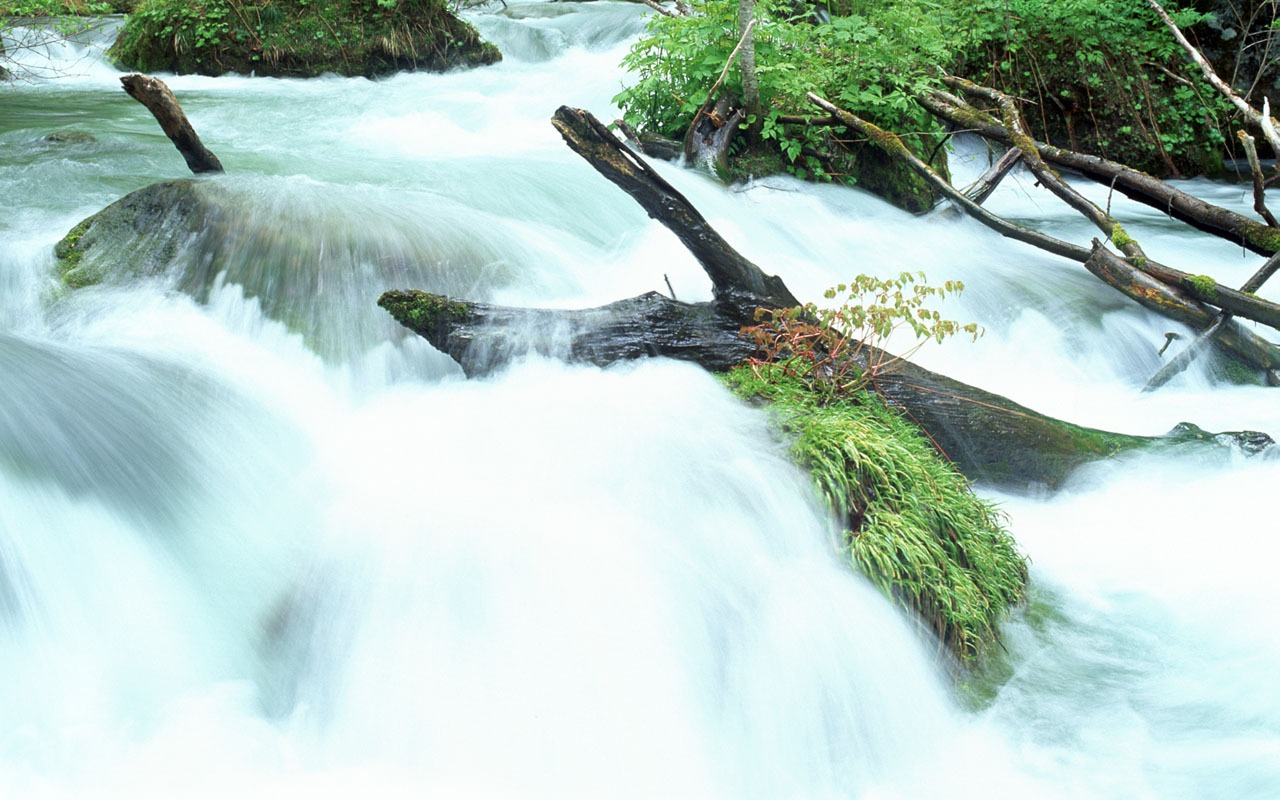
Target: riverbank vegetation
57, 21
1103, 76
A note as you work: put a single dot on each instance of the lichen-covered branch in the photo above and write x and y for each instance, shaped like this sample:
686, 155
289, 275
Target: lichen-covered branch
1169, 299
894, 147
1021, 138
1136, 185
1145, 287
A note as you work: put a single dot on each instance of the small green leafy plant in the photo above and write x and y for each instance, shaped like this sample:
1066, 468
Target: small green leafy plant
838, 351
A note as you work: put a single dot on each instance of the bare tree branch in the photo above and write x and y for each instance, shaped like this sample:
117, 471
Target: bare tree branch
1261, 119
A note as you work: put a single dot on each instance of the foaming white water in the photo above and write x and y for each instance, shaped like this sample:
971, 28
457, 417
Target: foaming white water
621, 589
233, 560
1147, 652
37, 52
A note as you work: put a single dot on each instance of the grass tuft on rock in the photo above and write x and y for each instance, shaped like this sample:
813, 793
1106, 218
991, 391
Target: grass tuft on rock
912, 523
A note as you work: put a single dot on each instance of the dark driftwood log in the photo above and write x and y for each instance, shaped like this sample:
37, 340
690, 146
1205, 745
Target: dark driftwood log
483, 337
989, 437
155, 95
734, 279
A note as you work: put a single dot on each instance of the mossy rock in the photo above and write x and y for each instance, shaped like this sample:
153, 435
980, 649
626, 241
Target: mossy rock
291, 38
139, 235
872, 169
305, 254
863, 165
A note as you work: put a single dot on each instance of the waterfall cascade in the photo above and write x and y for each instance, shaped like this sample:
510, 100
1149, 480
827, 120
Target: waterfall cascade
255, 539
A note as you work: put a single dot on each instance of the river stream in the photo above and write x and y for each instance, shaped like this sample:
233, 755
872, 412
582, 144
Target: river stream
256, 540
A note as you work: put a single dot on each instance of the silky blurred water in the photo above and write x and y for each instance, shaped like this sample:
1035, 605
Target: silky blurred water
256, 539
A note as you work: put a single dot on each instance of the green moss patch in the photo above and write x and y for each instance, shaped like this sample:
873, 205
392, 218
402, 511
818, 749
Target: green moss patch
139, 235
298, 38
422, 311
913, 524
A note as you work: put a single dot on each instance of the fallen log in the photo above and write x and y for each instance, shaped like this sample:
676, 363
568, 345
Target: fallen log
989, 438
1137, 186
736, 282
988, 182
159, 100
1169, 299
482, 337
1182, 301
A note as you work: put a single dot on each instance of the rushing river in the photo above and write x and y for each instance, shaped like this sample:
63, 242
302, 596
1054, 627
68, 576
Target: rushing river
256, 541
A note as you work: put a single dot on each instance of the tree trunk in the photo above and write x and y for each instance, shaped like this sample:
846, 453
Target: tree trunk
747, 66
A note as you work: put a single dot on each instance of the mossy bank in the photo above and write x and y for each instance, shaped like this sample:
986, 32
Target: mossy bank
911, 522
297, 38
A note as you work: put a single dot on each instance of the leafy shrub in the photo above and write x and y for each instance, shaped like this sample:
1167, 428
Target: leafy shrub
868, 56
838, 352
1102, 76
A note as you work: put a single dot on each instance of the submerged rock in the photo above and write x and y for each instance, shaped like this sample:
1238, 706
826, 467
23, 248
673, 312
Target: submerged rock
70, 137
310, 255
292, 38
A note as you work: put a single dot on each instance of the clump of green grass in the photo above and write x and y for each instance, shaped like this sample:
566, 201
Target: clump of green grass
912, 523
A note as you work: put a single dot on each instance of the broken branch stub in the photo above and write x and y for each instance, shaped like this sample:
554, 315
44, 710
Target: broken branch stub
155, 95
734, 279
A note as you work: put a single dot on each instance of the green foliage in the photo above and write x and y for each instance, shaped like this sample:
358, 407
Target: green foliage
868, 56
1105, 76
838, 351
1102, 76
297, 37
912, 523
52, 8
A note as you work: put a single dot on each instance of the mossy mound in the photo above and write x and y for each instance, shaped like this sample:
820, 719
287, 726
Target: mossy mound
913, 525
296, 38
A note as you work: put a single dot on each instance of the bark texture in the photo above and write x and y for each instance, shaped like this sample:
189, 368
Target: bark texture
159, 100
